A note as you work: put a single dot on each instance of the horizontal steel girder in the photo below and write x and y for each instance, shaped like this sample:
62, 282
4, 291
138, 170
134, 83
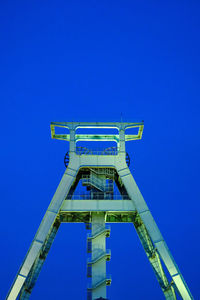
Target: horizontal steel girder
85, 217
98, 205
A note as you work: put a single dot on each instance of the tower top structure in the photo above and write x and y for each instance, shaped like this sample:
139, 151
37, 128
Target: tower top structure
120, 137
73, 126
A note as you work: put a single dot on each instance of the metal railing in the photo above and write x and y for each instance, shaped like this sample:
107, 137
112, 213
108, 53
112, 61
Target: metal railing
97, 182
100, 280
105, 229
98, 196
99, 255
86, 151
103, 171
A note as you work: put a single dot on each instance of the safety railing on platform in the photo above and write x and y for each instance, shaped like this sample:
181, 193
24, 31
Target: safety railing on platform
86, 151
103, 171
98, 196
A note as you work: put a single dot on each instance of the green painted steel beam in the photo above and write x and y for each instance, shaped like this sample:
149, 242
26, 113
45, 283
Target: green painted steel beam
97, 137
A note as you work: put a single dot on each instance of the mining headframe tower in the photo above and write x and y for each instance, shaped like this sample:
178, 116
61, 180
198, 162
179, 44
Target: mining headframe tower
101, 173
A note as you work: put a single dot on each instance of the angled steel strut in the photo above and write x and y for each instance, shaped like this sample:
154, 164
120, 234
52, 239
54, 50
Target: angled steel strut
101, 173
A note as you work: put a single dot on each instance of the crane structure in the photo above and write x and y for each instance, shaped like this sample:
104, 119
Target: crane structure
101, 173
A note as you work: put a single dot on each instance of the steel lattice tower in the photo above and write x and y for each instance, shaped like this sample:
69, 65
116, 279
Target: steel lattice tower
99, 172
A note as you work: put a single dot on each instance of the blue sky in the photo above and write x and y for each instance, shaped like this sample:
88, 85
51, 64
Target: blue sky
93, 61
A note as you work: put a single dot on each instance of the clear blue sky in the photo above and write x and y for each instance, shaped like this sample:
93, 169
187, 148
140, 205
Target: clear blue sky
92, 61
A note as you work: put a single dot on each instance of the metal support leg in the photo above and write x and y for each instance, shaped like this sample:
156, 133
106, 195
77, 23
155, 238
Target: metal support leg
154, 232
43, 232
154, 258
36, 268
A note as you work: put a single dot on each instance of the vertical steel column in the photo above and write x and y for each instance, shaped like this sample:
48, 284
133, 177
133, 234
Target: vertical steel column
72, 144
121, 143
98, 256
